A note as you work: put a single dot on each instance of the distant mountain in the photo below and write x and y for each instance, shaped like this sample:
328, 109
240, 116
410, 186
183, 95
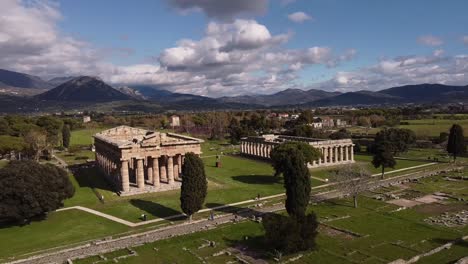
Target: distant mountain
357, 98
429, 93
289, 96
54, 82
21, 84
84, 89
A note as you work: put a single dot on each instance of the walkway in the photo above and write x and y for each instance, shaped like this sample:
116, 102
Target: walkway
132, 224
109, 245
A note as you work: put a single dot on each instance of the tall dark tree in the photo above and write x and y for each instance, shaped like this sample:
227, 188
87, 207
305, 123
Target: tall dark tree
397, 140
297, 183
66, 136
30, 190
456, 141
383, 157
280, 154
194, 185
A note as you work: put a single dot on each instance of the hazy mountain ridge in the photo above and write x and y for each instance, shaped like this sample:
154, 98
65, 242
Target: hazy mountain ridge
84, 89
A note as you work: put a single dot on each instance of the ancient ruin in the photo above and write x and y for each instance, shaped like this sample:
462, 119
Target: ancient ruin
334, 152
137, 160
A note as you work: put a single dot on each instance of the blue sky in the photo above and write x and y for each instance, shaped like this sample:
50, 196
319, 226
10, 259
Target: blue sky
337, 45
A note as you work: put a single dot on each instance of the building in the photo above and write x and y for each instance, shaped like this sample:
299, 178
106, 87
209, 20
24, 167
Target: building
174, 121
334, 152
317, 123
86, 119
137, 160
327, 122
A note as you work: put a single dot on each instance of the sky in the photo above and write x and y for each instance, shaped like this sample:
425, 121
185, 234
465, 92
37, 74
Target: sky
225, 48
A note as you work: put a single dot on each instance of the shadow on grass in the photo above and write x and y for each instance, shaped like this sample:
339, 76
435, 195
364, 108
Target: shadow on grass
459, 241
242, 211
91, 177
155, 209
257, 179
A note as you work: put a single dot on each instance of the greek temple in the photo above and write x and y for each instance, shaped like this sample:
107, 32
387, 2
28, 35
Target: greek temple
136, 160
334, 152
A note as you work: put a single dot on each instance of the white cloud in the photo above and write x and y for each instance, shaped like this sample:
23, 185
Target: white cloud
222, 9
430, 40
237, 57
403, 70
299, 17
465, 40
30, 41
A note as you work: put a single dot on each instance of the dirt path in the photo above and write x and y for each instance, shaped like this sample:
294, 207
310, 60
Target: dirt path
103, 246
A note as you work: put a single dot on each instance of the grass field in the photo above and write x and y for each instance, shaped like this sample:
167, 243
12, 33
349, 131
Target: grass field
433, 127
3, 163
83, 136
238, 179
384, 236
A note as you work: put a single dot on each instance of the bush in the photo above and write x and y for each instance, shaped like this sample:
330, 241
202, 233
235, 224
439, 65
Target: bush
30, 190
290, 234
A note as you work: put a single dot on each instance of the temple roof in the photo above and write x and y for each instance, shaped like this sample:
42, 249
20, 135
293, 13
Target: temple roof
126, 136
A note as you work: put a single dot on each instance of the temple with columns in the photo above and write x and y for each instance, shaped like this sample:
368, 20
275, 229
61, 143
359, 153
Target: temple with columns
334, 152
136, 160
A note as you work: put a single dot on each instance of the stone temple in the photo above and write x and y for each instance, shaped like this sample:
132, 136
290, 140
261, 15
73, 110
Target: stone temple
334, 152
136, 160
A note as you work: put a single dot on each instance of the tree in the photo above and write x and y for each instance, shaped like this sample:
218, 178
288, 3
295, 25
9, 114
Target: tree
456, 141
297, 183
279, 154
298, 231
397, 139
351, 180
340, 134
66, 136
194, 185
9, 143
37, 142
383, 157
30, 190
236, 131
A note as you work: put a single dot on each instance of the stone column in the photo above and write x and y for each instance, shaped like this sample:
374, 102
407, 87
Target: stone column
156, 172
345, 153
352, 153
179, 162
149, 169
140, 174
163, 168
170, 170
341, 154
124, 176
335, 154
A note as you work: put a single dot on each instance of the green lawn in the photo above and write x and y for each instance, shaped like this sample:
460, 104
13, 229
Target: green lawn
384, 236
433, 127
3, 163
59, 229
84, 136
365, 160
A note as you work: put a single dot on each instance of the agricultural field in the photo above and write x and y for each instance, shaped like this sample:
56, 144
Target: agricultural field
376, 232
433, 127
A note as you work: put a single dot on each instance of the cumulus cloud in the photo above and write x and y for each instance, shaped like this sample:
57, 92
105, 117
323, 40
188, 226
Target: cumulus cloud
30, 41
236, 57
299, 17
222, 9
403, 70
430, 40
242, 57
465, 40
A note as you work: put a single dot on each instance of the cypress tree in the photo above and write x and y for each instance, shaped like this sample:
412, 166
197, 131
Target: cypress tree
383, 157
66, 136
456, 141
297, 183
194, 185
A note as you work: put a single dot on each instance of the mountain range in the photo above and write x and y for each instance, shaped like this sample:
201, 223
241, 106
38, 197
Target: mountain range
23, 92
